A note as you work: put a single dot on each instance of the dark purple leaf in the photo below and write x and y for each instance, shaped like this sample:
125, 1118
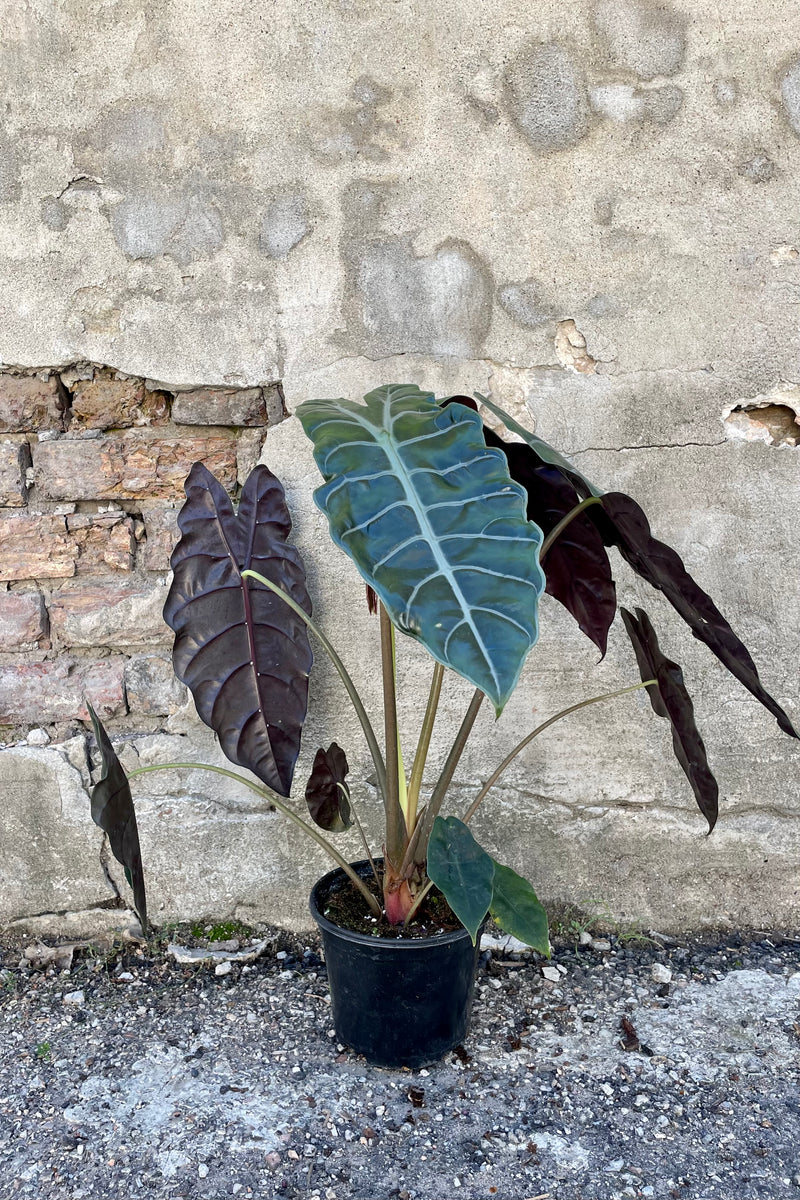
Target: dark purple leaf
576, 566
241, 651
112, 810
624, 525
670, 699
327, 794
372, 601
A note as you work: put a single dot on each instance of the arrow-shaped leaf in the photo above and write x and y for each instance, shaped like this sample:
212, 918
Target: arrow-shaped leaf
576, 567
516, 909
327, 793
435, 525
242, 652
462, 871
112, 810
624, 525
670, 699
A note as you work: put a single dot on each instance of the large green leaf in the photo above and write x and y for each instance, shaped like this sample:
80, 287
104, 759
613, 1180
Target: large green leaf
434, 523
462, 871
516, 909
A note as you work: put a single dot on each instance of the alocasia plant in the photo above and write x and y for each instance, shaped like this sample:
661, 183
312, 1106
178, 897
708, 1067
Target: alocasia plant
457, 534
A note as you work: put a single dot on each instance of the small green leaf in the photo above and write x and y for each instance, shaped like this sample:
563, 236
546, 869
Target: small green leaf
516, 909
462, 871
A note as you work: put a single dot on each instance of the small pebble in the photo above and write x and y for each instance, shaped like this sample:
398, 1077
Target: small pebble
600, 944
202, 1170
223, 968
552, 973
660, 974
38, 737
74, 997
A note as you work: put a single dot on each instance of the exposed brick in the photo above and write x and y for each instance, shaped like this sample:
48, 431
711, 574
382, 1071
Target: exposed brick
248, 452
52, 546
152, 687
14, 459
23, 622
161, 526
28, 402
42, 693
110, 614
129, 466
224, 406
107, 401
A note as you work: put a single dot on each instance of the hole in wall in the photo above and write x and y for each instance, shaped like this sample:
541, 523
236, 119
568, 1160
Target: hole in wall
769, 420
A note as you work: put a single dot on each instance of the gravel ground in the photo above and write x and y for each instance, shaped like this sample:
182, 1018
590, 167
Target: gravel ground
652, 1069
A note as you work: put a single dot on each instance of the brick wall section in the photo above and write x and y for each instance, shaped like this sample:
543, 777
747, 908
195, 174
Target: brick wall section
92, 464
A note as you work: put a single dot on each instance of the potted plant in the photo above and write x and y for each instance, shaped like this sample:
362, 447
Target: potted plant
456, 534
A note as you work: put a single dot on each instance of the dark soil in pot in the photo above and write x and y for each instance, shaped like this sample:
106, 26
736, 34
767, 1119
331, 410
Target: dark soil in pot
399, 1001
344, 906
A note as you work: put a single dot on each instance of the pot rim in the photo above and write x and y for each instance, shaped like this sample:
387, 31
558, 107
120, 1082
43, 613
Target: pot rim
446, 937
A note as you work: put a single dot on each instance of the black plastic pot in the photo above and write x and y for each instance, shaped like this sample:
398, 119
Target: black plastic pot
401, 1002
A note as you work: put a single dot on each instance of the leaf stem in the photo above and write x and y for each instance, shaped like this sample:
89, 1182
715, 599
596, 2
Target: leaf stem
360, 829
369, 732
558, 529
423, 745
423, 829
420, 896
268, 794
540, 729
396, 832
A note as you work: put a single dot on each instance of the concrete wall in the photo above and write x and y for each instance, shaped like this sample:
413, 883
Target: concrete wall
587, 211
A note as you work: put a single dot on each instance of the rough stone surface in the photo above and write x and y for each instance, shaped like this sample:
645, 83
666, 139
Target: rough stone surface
104, 402
23, 621
285, 224
55, 546
220, 406
109, 614
151, 686
646, 37
29, 402
14, 459
546, 98
45, 692
127, 466
48, 843
161, 527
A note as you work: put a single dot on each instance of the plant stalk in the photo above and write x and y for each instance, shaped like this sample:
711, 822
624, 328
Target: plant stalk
420, 896
423, 830
395, 821
470, 813
268, 794
423, 746
363, 836
369, 732
558, 529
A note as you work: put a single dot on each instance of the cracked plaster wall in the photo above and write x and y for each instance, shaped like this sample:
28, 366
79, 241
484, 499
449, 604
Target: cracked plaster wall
589, 212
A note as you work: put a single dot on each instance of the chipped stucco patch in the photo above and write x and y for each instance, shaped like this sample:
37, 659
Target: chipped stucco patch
773, 418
